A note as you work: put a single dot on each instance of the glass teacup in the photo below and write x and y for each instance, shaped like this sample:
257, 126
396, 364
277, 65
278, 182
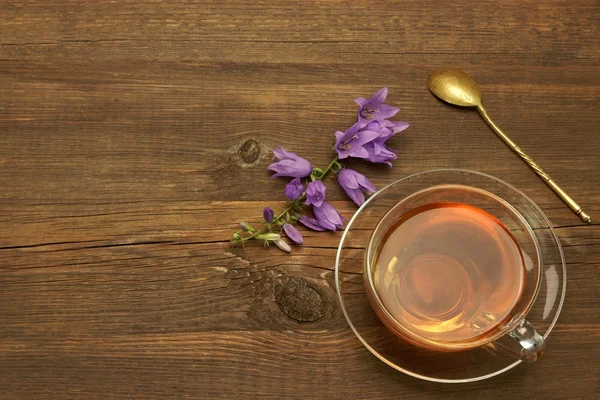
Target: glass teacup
511, 338
463, 275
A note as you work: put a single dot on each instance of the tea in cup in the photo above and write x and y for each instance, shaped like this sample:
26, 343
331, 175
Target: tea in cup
443, 272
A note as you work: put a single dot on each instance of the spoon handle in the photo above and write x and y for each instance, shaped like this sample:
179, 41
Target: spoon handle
538, 170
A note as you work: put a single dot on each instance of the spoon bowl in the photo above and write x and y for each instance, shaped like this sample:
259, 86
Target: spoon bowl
455, 87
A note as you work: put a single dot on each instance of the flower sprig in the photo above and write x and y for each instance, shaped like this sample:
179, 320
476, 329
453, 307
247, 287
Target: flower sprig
366, 139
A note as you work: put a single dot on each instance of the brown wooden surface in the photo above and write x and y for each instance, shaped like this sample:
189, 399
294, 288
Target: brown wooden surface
134, 134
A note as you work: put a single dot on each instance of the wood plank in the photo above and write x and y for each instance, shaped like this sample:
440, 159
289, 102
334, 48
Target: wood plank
135, 134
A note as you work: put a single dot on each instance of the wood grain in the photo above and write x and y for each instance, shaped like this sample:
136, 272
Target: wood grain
135, 134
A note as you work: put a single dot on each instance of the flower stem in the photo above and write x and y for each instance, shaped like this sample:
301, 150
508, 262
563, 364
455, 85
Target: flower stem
318, 174
321, 176
278, 216
258, 232
326, 170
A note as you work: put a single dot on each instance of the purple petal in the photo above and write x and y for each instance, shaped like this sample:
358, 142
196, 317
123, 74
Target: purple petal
360, 153
379, 159
383, 131
279, 153
397, 127
373, 125
380, 96
339, 136
282, 153
361, 101
356, 195
386, 111
327, 225
328, 217
275, 167
366, 184
293, 233
311, 223
366, 136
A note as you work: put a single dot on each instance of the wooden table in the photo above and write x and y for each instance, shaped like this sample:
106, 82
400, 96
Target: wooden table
135, 134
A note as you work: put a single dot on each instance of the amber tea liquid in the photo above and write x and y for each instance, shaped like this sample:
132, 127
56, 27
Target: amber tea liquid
448, 273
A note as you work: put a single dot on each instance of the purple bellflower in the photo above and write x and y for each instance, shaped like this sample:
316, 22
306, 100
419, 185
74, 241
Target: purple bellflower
368, 141
352, 142
328, 217
380, 153
374, 109
294, 189
354, 184
289, 164
315, 193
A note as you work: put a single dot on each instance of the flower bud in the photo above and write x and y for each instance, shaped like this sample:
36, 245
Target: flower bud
282, 245
246, 226
268, 236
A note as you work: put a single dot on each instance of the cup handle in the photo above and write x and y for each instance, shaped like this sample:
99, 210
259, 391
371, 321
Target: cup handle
523, 342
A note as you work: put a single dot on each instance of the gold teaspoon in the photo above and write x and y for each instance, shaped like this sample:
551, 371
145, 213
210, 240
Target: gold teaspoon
457, 87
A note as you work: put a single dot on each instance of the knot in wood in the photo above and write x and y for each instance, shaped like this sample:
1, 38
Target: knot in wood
300, 299
249, 151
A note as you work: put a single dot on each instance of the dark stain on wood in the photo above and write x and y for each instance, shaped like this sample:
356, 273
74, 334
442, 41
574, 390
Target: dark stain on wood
300, 299
249, 151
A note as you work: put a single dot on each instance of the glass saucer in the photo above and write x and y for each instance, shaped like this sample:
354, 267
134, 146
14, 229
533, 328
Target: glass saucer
447, 367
